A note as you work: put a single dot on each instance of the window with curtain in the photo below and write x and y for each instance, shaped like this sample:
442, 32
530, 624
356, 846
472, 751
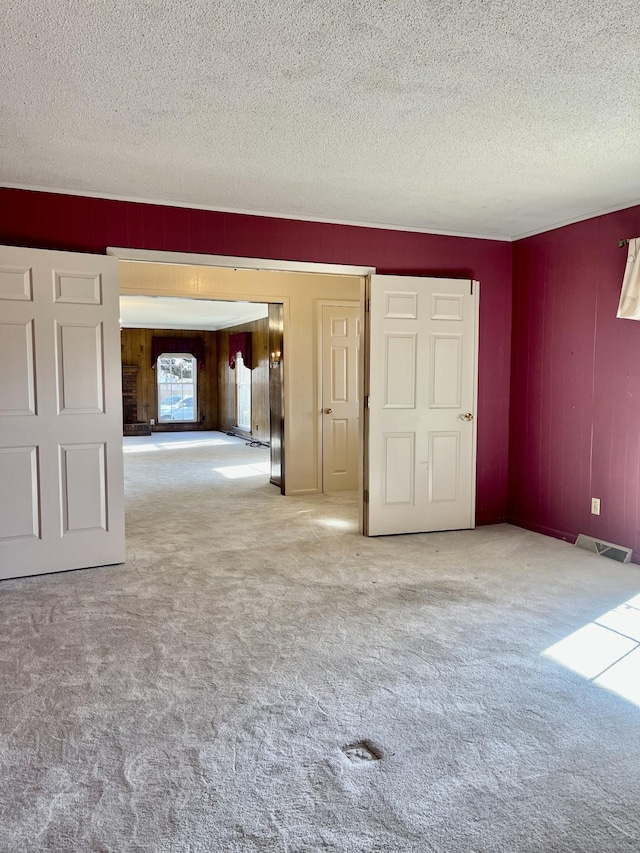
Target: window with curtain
177, 378
243, 394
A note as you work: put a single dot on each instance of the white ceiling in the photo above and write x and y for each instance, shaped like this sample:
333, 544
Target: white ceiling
489, 118
164, 312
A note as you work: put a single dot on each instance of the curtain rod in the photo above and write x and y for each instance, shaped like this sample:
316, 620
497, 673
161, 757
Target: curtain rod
622, 243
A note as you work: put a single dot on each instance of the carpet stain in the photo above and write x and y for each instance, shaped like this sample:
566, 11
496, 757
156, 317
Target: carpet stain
361, 752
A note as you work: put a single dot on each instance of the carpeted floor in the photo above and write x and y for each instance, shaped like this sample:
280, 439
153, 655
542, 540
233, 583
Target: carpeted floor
199, 698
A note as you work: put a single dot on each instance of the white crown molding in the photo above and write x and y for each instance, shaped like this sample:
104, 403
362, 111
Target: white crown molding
385, 226
601, 212
298, 216
190, 327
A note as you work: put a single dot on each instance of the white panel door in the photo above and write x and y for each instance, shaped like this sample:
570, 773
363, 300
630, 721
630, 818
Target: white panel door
421, 402
340, 403
61, 481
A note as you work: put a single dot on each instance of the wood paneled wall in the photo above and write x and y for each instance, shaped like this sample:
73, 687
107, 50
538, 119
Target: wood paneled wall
575, 384
259, 379
136, 350
276, 396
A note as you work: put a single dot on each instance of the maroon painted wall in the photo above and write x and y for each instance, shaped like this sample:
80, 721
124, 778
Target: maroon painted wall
76, 223
575, 384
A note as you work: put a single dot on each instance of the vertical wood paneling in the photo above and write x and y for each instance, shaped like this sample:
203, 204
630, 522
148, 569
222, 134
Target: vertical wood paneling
136, 350
575, 391
259, 379
226, 385
552, 407
276, 396
29, 218
615, 473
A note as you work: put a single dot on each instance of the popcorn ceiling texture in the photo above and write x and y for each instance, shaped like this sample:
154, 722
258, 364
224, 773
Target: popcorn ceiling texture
204, 697
493, 118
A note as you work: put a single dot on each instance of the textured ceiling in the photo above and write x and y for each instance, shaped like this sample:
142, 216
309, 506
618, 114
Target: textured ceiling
490, 118
160, 312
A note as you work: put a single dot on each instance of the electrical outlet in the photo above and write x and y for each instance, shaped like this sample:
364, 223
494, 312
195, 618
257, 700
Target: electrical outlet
595, 506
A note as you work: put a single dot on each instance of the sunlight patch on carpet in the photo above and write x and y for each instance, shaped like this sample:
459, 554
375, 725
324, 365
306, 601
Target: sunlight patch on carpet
606, 651
338, 523
189, 445
239, 472
146, 444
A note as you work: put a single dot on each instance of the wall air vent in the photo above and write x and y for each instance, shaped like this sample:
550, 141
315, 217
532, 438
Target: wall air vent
604, 549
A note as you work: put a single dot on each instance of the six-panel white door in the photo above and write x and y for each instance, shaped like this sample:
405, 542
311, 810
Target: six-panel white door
61, 478
421, 428
340, 399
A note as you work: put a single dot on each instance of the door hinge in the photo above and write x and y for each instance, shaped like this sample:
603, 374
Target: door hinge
366, 496
367, 401
472, 287
367, 305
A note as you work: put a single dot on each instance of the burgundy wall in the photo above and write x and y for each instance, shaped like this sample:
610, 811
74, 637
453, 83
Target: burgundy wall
575, 384
575, 369
76, 223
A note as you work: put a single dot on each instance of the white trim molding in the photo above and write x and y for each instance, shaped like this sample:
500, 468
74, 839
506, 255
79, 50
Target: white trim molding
269, 214
383, 226
150, 256
603, 211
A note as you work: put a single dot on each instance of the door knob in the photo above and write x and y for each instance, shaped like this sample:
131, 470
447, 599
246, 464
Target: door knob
328, 411
467, 417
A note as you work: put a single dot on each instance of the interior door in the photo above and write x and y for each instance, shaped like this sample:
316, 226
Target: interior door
420, 427
61, 478
340, 404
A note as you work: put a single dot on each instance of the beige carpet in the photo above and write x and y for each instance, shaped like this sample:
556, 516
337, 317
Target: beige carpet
201, 697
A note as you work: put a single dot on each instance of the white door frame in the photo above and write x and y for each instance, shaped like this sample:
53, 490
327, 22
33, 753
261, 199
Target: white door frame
338, 303
150, 256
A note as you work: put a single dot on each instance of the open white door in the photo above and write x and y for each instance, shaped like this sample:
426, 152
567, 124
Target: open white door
61, 480
420, 429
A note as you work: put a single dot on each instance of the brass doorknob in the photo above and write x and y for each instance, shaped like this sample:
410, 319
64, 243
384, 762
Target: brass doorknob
328, 411
467, 417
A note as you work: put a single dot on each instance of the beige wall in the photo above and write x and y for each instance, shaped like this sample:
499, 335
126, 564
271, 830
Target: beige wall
299, 293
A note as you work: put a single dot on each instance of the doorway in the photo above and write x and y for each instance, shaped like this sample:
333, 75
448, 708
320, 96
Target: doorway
199, 365
293, 334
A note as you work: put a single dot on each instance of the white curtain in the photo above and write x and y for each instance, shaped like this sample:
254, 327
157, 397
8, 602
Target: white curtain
629, 307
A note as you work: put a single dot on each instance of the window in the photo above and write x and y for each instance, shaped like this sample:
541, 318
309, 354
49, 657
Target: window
243, 395
177, 376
